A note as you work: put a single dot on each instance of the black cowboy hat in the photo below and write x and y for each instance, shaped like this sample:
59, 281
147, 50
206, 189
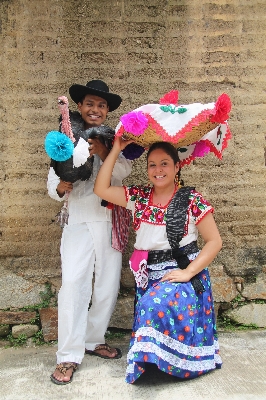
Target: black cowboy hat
97, 88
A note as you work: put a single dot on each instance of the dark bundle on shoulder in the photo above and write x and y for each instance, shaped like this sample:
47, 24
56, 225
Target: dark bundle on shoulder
65, 169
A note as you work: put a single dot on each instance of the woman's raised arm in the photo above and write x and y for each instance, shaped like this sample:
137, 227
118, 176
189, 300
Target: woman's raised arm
102, 186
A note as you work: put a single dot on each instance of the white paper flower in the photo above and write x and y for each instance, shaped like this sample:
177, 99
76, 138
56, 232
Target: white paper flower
81, 153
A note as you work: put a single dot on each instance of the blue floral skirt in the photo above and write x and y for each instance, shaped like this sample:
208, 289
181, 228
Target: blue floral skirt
174, 328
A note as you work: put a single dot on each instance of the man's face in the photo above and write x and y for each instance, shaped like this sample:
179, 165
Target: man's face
93, 110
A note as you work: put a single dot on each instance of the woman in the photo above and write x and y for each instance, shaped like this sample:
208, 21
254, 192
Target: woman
174, 326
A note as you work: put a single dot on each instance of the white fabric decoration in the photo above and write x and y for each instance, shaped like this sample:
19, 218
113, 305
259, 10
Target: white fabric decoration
173, 359
141, 276
81, 153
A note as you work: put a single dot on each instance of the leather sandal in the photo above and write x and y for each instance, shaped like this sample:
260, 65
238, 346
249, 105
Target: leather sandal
63, 368
104, 347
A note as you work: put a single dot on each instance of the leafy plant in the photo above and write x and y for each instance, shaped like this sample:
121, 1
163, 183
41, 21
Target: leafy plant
38, 338
47, 295
48, 298
260, 301
19, 341
35, 320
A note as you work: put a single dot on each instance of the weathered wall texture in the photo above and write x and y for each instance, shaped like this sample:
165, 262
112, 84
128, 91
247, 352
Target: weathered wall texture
143, 49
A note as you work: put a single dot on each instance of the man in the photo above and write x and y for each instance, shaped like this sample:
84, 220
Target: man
86, 245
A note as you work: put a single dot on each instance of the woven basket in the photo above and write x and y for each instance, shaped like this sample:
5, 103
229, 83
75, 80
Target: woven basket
150, 136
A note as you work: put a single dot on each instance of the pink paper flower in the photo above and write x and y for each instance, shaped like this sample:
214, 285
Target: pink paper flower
222, 109
170, 98
201, 149
134, 122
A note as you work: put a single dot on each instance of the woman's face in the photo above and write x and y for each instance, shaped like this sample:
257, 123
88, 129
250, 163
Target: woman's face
161, 168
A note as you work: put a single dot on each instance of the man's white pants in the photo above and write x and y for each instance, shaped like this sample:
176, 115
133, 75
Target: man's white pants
86, 248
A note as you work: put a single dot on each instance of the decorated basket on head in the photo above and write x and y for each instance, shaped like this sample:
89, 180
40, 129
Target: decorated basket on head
194, 129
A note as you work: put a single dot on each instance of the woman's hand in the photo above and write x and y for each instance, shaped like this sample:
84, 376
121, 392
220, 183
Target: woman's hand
177, 275
63, 187
213, 243
120, 143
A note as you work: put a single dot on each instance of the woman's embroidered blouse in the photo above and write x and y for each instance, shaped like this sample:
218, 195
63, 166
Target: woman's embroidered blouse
149, 220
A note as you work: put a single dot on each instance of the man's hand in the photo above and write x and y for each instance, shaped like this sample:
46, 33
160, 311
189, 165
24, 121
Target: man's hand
97, 147
63, 187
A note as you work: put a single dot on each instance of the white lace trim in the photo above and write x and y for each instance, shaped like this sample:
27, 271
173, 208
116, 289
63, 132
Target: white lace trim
157, 270
196, 365
141, 275
172, 359
158, 274
161, 266
171, 263
192, 256
174, 344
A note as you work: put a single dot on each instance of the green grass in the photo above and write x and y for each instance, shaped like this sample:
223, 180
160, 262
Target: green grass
226, 323
115, 333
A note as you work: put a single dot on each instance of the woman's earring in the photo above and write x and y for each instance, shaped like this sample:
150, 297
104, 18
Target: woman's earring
177, 181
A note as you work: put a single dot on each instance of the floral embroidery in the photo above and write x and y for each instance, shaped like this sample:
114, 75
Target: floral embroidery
181, 110
172, 109
145, 211
219, 136
177, 332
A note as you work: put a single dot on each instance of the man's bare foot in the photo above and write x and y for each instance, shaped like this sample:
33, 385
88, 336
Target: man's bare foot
63, 373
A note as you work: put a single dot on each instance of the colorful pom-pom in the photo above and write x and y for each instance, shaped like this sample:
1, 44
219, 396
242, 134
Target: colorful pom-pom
222, 109
134, 122
58, 146
133, 151
170, 98
201, 149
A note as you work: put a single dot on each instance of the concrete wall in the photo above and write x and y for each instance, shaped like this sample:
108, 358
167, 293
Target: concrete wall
142, 49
